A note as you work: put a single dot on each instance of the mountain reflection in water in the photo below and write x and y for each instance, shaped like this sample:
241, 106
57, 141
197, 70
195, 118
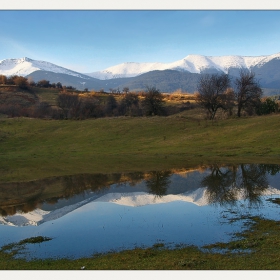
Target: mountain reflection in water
223, 185
96, 213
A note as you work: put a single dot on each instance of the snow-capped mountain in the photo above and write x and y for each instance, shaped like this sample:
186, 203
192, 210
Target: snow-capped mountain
191, 63
25, 66
167, 77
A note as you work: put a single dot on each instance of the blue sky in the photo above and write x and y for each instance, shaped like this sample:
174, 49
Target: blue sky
88, 41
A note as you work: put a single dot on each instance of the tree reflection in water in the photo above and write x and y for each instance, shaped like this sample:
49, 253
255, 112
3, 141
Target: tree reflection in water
158, 182
226, 185
219, 184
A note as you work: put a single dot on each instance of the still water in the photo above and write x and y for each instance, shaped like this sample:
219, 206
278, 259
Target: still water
94, 213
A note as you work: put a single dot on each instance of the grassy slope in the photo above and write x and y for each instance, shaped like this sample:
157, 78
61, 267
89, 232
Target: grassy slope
46, 95
33, 148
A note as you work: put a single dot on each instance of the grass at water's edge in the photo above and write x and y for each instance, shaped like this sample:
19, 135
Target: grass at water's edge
32, 148
262, 238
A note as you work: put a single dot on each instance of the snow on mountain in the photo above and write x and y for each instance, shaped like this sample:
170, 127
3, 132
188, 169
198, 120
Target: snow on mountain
25, 66
191, 63
136, 199
128, 69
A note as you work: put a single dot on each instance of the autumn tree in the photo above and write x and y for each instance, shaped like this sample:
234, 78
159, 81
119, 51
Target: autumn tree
3, 79
213, 93
153, 103
21, 82
11, 80
248, 92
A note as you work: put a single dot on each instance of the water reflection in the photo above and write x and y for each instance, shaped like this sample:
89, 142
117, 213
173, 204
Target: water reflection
223, 185
158, 182
227, 185
26, 196
94, 213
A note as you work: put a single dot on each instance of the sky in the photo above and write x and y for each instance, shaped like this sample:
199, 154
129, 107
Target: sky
91, 40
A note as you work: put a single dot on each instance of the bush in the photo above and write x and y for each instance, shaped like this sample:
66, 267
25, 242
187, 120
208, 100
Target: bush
267, 107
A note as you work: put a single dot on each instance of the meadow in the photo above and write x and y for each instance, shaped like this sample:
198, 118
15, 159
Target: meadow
36, 148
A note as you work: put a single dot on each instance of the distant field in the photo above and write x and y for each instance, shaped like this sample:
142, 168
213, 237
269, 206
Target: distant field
34, 148
50, 96
47, 95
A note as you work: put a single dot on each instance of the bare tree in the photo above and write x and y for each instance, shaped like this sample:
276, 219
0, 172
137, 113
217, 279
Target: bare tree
69, 103
153, 102
125, 90
248, 92
129, 105
213, 93
111, 106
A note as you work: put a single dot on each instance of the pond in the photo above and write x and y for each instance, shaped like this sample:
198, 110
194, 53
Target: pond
87, 214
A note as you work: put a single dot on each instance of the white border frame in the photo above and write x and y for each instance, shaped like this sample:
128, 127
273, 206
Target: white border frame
142, 5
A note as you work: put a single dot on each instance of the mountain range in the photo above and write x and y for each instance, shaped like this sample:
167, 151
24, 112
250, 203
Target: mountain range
167, 77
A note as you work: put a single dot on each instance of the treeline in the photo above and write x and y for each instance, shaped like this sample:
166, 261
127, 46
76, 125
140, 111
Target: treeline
74, 104
26, 83
88, 105
217, 91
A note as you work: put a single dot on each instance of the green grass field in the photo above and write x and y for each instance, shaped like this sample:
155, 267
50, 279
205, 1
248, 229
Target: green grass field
34, 148
47, 95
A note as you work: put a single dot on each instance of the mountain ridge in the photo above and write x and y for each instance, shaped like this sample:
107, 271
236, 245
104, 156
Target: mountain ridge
191, 63
25, 66
167, 77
